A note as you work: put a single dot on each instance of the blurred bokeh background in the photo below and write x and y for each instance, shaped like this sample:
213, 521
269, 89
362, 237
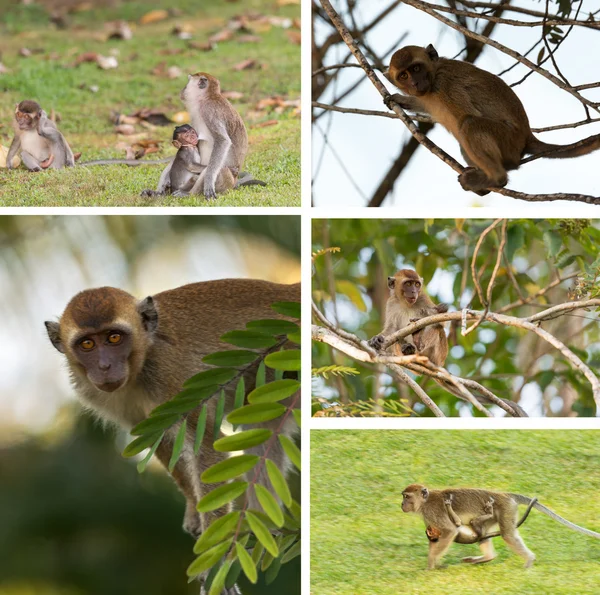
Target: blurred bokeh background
75, 517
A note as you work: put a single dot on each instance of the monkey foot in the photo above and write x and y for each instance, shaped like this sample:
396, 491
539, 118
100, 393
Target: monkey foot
376, 342
408, 349
476, 560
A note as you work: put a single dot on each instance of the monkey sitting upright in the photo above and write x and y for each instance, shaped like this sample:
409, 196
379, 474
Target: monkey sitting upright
408, 302
38, 139
478, 108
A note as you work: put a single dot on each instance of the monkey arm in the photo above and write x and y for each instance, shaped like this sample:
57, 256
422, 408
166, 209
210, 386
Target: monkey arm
58, 144
405, 102
165, 179
221, 146
30, 162
448, 504
13, 150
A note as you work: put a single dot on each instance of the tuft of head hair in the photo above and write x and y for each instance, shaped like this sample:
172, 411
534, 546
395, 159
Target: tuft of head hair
408, 274
29, 107
181, 130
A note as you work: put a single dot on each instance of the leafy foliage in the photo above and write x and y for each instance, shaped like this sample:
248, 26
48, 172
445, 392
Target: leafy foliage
274, 532
507, 360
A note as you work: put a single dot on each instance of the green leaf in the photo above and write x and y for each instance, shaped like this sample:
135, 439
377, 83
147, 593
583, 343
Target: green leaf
269, 504
234, 572
257, 552
273, 326
253, 414
240, 393
267, 560
242, 440
553, 242
218, 530
287, 359
155, 423
221, 496
208, 558
297, 416
200, 428
141, 466
260, 375
291, 450
262, 534
515, 239
235, 357
295, 509
279, 374
230, 468
186, 400
215, 376
219, 581
178, 445
292, 552
273, 571
274, 391
249, 339
248, 566
291, 309
220, 409
279, 483
142, 443
295, 337
352, 292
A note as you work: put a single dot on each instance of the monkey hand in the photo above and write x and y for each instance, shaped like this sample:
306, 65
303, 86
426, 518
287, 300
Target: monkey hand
376, 342
408, 349
148, 192
396, 98
448, 500
191, 521
180, 193
442, 308
209, 191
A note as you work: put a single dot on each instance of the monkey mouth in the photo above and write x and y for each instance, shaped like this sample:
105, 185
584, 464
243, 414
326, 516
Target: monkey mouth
411, 300
110, 387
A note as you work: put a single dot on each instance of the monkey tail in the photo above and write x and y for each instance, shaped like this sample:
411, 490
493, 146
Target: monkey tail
520, 499
246, 179
131, 162
537, 147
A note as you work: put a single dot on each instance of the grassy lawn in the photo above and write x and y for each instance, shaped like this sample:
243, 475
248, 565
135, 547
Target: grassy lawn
49, 78
363, 544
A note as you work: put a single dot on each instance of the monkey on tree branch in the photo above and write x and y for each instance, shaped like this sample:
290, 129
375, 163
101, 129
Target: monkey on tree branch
479, 109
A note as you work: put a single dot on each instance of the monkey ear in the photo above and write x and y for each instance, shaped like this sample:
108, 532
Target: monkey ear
431, 52
149, 314
386, 74
16, 107
391, 282
189, 76
176, 144
53, 329
425, 493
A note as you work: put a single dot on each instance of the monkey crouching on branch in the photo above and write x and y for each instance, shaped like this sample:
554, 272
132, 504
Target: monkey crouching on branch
479, 109
127, 356
442, 510
39, 141
409, 302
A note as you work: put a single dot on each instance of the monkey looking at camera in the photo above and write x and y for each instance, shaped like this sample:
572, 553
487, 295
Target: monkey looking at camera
478, 108
38, 140
466, 504
127, 356
408, 302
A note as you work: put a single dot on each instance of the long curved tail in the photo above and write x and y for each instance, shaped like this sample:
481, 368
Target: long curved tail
131, 162
246, 179
520, 499
537, 147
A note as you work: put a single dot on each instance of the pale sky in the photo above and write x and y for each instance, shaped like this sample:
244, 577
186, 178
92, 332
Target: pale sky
368, 145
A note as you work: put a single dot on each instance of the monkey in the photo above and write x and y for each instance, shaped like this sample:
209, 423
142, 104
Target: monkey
479, 109
126, 356
408, 302
219, 126
477, 523
41, 144
467, 503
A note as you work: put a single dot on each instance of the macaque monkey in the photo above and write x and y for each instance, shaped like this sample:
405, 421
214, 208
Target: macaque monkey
127, 356
478, 108
409, 302
38, 139
467, 504
219, 127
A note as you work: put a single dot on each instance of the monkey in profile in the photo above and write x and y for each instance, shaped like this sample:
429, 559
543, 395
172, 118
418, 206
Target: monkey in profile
409, 302
466, 504
38, 140
127, 356
479, 109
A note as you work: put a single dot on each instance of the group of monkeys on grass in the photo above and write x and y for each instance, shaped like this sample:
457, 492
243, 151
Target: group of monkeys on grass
210, 153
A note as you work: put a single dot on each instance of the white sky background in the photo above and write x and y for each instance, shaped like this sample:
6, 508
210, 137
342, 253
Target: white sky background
34, 381
368, 145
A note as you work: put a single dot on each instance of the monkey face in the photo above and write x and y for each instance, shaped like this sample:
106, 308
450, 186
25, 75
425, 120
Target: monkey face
104, 356
198, 86
26, 121
413, 81
411, 68
410, 290
413, 497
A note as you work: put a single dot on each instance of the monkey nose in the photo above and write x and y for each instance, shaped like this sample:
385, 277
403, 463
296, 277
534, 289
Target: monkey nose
104, 366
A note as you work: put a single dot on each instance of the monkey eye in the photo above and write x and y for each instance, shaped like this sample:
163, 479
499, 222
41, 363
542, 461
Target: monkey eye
87, 344
416, 68
114, 338
404, 75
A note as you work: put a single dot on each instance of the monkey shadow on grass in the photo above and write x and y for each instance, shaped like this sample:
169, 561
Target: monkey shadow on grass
362, 543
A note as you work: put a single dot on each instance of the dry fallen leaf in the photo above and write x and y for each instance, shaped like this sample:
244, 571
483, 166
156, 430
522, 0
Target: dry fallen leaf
171, 51
119, 30
232, 94
174, 72
154, 16
107, 62
4, 154
183, 31
249, 39
206, 46
3, 69
246, 65
287, 2
153, 116
265, 124
294, 36
224, 35
126, 129
282, 22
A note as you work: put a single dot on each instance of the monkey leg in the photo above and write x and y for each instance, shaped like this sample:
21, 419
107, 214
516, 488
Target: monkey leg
448, 504
408, 349
376, 342
479, 140
479, 523
438, 548
510, 534
487, 548
31, 163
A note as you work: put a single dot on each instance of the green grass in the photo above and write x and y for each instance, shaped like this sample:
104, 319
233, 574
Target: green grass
363, 544
274, 154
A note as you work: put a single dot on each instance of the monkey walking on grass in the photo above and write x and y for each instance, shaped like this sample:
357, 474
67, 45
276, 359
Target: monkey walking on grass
443, 510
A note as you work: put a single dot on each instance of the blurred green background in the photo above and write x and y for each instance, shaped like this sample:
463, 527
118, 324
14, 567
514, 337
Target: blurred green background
75, 517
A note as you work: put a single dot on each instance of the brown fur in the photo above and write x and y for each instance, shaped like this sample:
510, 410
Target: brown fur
478, 108
431, 341
170, 333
